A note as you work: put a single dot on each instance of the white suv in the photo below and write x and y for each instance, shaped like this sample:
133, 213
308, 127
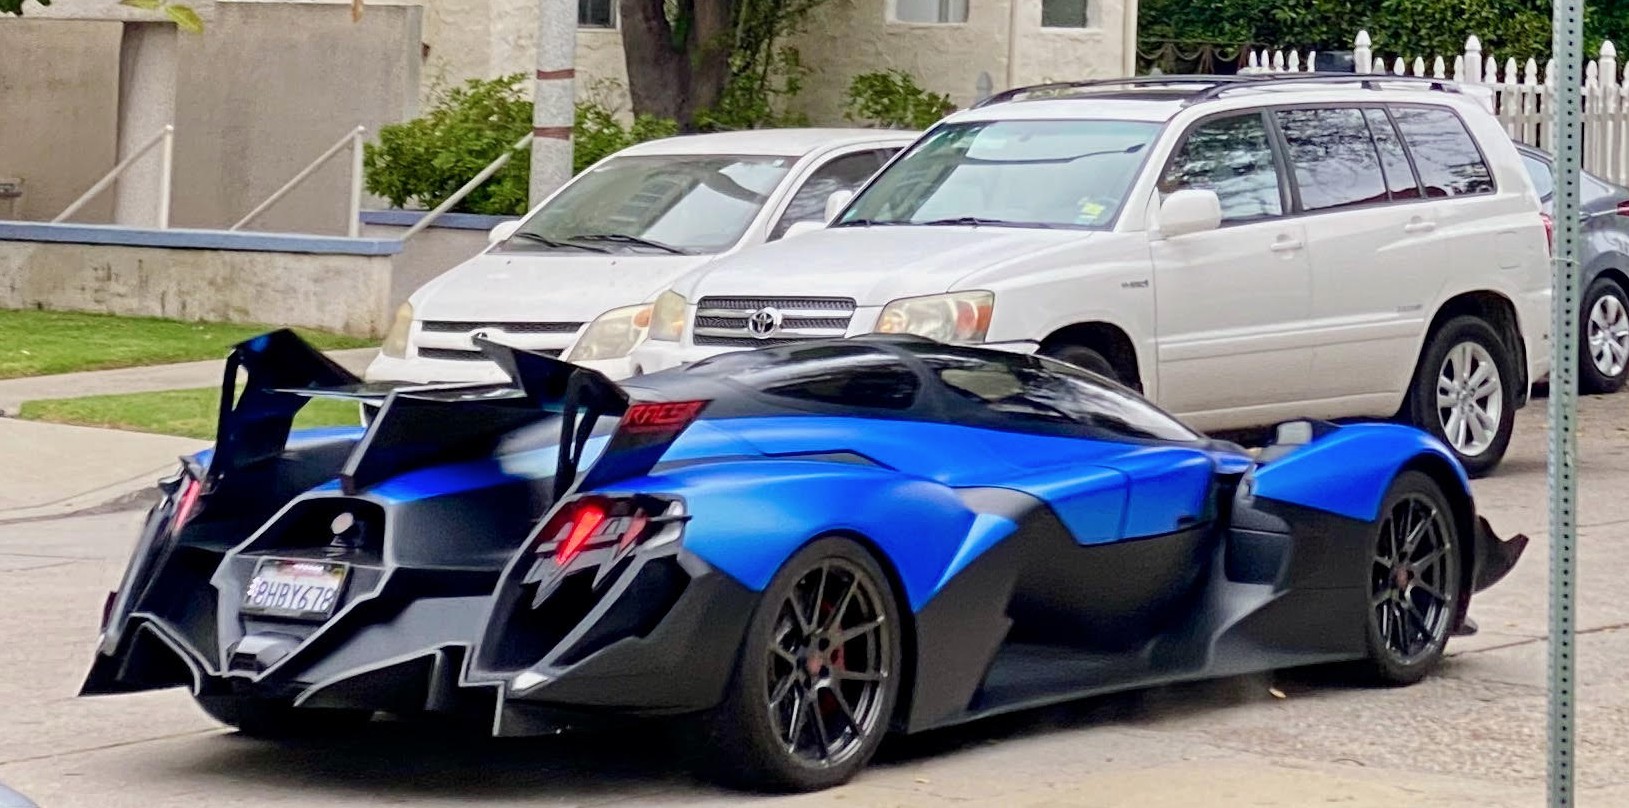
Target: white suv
1244, 250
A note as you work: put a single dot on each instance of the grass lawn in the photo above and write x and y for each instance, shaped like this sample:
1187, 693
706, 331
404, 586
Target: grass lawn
38, 343
188, 413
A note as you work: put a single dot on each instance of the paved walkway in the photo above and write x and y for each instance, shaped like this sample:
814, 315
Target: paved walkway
13, 392
44, 471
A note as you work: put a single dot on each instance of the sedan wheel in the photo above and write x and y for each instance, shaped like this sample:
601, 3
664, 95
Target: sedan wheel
1602, 367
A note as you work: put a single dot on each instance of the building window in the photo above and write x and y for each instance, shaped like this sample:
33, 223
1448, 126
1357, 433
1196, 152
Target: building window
944, 11
1065, 14
597, 13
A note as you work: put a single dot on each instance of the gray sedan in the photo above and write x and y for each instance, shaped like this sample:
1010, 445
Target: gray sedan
1603, 361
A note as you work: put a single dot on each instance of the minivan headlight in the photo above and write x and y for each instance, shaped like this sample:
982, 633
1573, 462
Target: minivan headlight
953, 317
612, 335
667, 317
395, 345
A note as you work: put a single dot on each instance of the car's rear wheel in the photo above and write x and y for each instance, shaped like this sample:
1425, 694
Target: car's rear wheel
276, 719
1463, 393
1603, 362
1414, 578
817, 677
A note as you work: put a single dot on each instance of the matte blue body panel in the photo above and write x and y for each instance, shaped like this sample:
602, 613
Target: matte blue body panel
747, 517
1348, 471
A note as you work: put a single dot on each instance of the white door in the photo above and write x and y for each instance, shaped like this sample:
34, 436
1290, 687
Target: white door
1378, 255
1232, 304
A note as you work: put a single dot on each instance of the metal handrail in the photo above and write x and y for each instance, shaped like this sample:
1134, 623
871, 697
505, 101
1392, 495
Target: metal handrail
353, 138
475, 182
166, 165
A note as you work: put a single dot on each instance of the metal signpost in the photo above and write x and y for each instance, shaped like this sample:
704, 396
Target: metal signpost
1566, 104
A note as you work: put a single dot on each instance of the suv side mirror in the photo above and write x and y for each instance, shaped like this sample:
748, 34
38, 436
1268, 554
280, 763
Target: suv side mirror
502, 232
836, 202
1189, 211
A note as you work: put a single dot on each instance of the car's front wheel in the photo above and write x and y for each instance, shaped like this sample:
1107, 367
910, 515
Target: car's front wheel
1414, 579
1463, 393
1603, 363
817, 677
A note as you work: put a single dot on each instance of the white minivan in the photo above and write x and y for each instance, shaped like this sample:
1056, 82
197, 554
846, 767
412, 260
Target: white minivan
617, 234
1244, 250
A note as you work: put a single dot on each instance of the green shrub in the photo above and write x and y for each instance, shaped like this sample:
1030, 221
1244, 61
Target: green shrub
891, 98
421, 162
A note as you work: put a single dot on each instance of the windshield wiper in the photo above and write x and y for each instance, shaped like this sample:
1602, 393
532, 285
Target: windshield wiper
868, 223
977, 221
623, 238
559, 245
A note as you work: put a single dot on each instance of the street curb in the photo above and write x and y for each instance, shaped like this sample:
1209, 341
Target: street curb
131, 494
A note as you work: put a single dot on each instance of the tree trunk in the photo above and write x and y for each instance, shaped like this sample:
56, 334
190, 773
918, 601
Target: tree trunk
671, 80
658, 73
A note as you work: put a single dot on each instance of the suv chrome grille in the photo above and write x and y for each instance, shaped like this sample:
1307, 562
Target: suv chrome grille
729, 321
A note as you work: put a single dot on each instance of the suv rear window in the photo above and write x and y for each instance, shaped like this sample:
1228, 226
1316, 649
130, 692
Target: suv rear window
1447, 159
1333, 157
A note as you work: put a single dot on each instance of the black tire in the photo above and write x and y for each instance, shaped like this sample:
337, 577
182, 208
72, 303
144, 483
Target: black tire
1413, 582
279, 720
1591, 378
1087, 359
1471, 335
744, 743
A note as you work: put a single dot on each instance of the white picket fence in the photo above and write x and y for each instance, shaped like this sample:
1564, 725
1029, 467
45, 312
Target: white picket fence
1517, 91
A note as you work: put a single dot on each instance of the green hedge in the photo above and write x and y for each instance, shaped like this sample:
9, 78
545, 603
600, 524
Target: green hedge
1427, 28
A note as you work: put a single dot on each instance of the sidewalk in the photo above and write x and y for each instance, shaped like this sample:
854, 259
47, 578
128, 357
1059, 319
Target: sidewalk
52, 470
13, 392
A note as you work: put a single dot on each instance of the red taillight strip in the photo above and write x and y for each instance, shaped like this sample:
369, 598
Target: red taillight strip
585, 521
187, 504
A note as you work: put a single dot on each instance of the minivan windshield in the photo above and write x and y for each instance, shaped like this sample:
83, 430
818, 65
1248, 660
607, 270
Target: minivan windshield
677, 204
1043, 173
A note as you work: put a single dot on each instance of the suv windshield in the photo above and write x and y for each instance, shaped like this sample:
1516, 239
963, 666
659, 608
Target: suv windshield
1013, 173
673, 204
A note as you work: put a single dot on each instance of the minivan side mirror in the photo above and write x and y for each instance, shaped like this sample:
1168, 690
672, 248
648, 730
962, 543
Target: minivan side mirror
1189, 211
502, 232
805, 226
836, 202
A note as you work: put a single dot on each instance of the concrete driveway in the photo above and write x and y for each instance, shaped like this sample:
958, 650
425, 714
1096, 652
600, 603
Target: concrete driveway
1471, 736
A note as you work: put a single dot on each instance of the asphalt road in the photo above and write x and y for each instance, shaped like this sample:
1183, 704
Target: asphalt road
1471, 736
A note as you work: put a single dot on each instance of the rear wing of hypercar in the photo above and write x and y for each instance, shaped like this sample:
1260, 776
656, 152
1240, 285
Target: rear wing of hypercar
419, 425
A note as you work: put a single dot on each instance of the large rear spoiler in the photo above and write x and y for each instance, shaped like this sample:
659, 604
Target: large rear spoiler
417, 425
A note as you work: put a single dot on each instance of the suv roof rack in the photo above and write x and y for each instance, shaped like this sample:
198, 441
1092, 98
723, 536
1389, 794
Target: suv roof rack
1166, 82
1206, 88
1367, 81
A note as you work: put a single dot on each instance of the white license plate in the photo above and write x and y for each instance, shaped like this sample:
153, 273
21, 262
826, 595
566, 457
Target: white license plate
303, 590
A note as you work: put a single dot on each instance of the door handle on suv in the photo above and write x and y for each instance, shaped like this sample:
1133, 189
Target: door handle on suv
1286, 245
1419, 226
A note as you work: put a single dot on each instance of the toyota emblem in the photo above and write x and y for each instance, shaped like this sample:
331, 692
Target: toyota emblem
764, 322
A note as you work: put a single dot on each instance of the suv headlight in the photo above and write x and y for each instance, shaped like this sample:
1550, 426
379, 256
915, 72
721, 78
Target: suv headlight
953, 317
612, 335
395, 345
667, 317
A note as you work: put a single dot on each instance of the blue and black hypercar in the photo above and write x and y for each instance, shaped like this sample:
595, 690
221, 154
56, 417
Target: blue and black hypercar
789, 551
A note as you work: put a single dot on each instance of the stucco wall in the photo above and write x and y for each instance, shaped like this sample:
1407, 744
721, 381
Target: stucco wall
59, 102
489, 38
267, 88
344, 293
843, 38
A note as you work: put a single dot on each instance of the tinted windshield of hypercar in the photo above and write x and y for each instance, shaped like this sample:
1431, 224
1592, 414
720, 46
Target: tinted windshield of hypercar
676, 204
1014, 173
